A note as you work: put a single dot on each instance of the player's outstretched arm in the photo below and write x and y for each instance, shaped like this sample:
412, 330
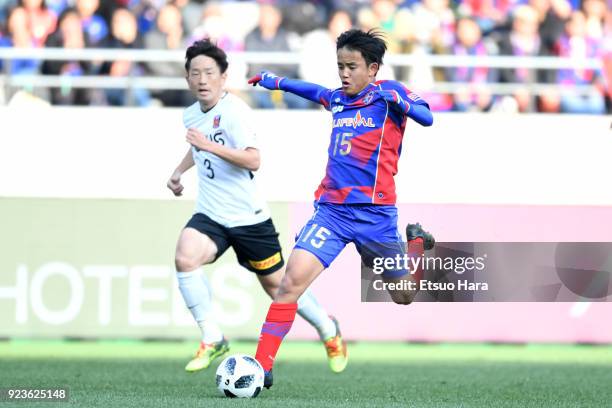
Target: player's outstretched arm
248, 158
307, 90
410, 105
421, 114
174, 183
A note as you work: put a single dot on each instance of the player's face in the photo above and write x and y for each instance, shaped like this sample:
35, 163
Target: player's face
354, 72
206, 81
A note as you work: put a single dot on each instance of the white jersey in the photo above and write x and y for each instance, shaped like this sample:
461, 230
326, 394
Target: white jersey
226, 193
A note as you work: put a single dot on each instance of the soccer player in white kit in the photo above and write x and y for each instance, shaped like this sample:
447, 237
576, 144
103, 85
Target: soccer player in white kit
229, 211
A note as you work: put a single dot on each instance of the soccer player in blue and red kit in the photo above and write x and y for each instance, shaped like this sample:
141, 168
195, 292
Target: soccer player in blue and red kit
355, 202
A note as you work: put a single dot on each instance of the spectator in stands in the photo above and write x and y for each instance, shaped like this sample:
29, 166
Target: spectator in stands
576, 45
433, 33
21, 37
69, 35
57, 7
595, 13
214, 25
551, 16
124, 35
490, 14
475, 94
301, 17
5, 7
94, 25
607, 59
146, 12
40, 21
524, 41
191, 11
5, 39
318, 51
269, 36
168, 35
367, 20
349, 4
228, 31
396, 23
434, 24
385, 13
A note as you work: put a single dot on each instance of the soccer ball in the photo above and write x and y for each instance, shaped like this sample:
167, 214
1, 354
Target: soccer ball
240, 376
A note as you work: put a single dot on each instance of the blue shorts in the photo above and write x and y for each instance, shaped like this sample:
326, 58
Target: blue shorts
372, 228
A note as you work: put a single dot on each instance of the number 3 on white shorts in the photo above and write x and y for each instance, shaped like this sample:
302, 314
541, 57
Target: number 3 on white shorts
321, 234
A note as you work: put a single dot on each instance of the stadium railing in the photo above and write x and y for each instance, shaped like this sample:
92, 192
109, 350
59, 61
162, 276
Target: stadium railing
10, 82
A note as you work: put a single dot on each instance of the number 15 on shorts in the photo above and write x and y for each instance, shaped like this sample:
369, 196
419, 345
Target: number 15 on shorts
319, 237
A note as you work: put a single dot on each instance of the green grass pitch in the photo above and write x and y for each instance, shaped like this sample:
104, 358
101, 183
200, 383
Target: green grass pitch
150, 374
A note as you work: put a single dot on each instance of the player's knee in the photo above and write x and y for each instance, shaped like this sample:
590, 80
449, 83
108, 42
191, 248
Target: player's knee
289, 283
185, 263
289, 290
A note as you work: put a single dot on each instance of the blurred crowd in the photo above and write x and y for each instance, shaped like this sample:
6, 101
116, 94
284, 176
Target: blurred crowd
521, 28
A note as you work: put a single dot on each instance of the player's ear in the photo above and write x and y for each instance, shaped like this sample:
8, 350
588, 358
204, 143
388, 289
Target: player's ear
373, 69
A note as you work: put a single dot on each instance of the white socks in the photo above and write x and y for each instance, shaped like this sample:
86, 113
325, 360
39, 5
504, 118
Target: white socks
313, 313
197, 295
196, 292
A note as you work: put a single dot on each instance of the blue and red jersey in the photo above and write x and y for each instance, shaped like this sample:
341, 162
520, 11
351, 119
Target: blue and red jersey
365, 145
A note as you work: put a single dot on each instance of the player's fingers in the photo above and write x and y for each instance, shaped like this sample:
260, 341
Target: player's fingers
254, 80
193, 133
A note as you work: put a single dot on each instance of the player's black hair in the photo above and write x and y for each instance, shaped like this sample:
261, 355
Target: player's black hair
206, 47
371, 44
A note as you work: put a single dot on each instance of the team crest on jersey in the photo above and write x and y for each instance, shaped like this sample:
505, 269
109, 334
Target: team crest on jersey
216, 121
368, 98
358, 120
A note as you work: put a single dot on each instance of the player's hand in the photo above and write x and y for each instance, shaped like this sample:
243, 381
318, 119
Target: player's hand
197, 139
174, 184
394, 97
267, 80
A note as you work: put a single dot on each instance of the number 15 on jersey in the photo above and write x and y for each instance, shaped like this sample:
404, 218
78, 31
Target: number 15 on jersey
342, 144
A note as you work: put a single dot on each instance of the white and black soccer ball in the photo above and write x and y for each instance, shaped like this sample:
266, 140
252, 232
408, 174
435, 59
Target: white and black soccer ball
240, 376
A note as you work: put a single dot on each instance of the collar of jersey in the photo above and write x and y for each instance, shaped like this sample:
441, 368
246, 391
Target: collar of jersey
215, 105
353, 99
